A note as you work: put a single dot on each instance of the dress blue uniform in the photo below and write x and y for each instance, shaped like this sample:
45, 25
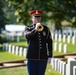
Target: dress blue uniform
39, 49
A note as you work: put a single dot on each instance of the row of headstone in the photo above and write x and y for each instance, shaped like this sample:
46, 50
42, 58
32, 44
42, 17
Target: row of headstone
64, 68
58, 65
12, 38
63, 38
11, 35
15, 49
60, 47
71, 32
71, 66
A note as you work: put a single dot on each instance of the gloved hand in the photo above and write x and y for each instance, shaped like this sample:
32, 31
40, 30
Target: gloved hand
49, 60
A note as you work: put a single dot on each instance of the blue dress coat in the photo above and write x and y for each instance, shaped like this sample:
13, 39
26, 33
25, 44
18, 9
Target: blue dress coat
39, 43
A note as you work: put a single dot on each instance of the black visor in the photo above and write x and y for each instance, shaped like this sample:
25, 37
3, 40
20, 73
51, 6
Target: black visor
36, 16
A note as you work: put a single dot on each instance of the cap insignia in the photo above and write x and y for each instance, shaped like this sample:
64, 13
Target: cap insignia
36, 11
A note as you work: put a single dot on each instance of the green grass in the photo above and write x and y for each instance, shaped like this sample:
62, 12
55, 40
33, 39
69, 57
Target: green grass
22, 42
14, 71
23, 71
5, 56
70, 47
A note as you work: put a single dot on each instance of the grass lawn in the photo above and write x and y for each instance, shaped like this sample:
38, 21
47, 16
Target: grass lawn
23, 71
5, 56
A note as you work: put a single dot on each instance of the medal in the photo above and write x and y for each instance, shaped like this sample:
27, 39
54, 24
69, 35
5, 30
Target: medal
44, 33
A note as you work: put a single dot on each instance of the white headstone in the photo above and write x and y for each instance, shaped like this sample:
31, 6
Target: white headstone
13, 49
64, 38
55, 37
3, 46
74, 32
68, 39
64, 69
60, 47
73, 40
59, 37
65, 48
20, 51
12, 38
55, 46
9, 50
74, 70
53, 62
56, 64
52, 34
59, 32
59, 65
7, 47
18, 38
71, 62
17, 50
24, 52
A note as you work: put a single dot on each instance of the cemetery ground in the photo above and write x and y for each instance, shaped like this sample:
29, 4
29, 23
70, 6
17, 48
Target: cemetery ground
5, 56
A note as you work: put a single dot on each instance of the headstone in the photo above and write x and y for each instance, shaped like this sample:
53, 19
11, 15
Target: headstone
20, 51
7, 47
3, 46
74, 32
17, 50
70, 32
59, 37
69, 69
60, 47
59, 65
52, 34
18, 38
64, 69
55, 37
24, 52
56, 64
59, 32
64, 38
12, 37
73, 40
65, 48
13, 49
68, 39
74, 70
9, 50
53, 62
55, 46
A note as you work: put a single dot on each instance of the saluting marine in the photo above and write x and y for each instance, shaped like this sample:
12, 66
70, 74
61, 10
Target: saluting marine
39, 44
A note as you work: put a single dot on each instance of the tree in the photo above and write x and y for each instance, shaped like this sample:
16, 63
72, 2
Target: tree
23, 7
3, 19
55, 10
63, 10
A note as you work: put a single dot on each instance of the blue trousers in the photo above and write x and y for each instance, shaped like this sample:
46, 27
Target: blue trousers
36, 67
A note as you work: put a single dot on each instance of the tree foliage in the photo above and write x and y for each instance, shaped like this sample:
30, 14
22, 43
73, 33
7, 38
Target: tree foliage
3, 19
64, 10
55, 10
